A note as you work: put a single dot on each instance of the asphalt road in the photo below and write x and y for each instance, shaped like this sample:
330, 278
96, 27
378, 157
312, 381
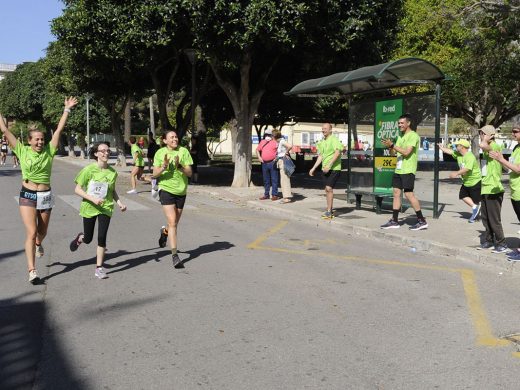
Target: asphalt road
263, 303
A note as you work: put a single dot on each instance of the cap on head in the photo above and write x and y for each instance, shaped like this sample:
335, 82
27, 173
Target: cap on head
488, 130
268, 131
462, 142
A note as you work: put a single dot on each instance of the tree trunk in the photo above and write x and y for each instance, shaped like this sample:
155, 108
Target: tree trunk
233, 129
115, 121
128, 120
202, 151
242, 175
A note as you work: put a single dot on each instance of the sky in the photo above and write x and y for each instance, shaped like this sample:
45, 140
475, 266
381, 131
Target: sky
25, 30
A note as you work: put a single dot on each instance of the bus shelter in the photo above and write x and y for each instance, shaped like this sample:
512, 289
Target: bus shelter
370, 103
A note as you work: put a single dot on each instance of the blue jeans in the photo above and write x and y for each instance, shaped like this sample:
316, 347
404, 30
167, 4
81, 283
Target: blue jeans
271, 176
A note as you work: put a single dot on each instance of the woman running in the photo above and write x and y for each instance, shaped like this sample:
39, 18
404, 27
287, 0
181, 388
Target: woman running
172, 165
3, 150
36, 199
96, 184
138, 169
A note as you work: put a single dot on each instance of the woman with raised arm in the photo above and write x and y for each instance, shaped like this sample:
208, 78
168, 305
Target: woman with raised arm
36, 199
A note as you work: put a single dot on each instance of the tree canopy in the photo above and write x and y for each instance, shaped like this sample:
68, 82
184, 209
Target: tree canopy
476, 44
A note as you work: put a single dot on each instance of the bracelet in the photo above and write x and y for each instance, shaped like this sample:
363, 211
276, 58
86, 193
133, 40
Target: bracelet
67, 110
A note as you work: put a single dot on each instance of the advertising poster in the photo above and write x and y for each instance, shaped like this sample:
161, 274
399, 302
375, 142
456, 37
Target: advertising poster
385, 127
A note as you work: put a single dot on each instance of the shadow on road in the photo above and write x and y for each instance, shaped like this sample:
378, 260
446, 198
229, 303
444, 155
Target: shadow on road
68, 267
207, 248
21, 328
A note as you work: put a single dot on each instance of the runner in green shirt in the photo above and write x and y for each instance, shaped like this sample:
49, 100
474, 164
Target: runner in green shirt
469, 171
36, 199
514, 178
96, 184
492, 192
138, 169
172, 166
406, 148
329, 156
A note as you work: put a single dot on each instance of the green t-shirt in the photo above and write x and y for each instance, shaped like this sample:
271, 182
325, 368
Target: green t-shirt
100, 183
469, 161
139, 161
36, 167
407, 164
326, 148
514, 178
491, 172
173, 180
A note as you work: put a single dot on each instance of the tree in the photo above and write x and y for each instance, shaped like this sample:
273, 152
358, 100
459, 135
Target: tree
476, 44
22, 93
244, 41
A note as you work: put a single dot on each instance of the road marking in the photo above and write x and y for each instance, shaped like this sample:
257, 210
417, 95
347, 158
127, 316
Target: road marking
484, 333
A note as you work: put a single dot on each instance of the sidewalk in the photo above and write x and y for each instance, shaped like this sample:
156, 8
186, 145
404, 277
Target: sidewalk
450, 235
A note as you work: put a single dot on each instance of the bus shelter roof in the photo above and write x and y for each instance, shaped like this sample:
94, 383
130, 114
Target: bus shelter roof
399, 73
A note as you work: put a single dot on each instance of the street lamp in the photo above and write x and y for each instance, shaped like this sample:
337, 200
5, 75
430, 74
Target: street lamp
191, 54
88, 96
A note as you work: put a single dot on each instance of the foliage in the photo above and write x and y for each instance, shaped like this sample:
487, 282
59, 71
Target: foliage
22, 93
476, 44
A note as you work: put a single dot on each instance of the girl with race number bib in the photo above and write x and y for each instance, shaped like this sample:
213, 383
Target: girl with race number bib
36, 199
96, 184
172, 165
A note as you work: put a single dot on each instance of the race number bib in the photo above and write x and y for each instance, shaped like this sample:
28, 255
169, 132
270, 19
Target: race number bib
399, 162
97, 189
483, 167
44, 200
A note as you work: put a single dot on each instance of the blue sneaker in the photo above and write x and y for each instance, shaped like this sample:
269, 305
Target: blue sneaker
485, 245
390, 225
474, 213
500, 249
514, 256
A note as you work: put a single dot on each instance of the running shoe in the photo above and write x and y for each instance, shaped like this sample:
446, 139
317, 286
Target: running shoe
327, 215
390, 225
39, 251
132, 192
176, 261
474, 213
33, 277
163, 237
485, 245
74, 244
514, 256
500, 249
100, 273
420, 225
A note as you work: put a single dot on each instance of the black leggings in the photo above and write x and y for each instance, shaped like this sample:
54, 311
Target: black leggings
516, 207
88, 229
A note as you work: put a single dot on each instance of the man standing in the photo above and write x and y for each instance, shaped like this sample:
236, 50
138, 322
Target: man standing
329, 152
492, 192
469, 172
406, 148
266, 152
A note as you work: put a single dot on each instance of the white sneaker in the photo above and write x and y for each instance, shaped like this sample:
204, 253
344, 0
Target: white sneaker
134, 191
33, 277
100, 273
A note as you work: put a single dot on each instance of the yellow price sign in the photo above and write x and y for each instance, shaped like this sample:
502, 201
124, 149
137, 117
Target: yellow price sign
385, 162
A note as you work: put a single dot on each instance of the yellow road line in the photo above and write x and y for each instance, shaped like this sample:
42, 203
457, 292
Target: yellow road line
484, 333
256, 244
